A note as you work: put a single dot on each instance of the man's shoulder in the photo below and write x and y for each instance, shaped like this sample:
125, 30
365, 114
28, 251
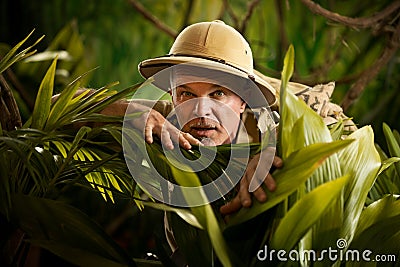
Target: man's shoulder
318, 98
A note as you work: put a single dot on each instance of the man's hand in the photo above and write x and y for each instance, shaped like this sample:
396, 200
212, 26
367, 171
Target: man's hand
152, 123
157, 125
243, 198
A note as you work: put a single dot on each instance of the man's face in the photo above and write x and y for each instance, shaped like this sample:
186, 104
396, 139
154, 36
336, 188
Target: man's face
207, 111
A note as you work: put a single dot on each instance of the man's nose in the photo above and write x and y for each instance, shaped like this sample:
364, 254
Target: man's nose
203, 107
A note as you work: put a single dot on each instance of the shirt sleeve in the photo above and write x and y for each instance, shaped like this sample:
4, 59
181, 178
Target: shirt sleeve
162, 106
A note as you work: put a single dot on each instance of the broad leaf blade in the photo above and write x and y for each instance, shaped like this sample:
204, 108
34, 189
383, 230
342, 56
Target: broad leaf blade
379, 227
204, 214
297, 169
305, 213
362, 161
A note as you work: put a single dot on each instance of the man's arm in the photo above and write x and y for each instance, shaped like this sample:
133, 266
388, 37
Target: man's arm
151, 121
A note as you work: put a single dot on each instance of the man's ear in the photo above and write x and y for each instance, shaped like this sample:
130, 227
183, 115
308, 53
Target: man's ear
243, 106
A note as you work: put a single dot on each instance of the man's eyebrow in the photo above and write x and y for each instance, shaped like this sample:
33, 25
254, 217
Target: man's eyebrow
214, 86
184, 86
217, 86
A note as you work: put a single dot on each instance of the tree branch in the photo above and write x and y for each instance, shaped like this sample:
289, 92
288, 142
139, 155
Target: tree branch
283, 40
379, 22
10, 117
247, 17
231, 13
367, 22
153, 19
10, 76
370, 73
187, 13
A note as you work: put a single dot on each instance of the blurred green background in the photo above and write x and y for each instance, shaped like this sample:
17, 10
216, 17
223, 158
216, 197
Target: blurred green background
114, 36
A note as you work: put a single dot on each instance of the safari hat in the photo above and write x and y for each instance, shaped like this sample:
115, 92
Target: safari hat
216, 46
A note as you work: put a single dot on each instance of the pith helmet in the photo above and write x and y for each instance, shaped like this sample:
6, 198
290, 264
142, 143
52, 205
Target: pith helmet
215, 45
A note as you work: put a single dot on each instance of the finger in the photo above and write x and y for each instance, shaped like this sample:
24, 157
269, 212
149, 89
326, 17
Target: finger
244, 194
277, 162
260, 194
270, 183
148, 134
183, 141
166, 139
186, 140
231, 207
192, 140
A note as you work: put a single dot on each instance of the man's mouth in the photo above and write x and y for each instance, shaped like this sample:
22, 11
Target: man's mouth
202, 129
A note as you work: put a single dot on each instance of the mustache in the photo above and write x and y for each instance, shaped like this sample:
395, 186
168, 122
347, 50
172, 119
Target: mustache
203, 123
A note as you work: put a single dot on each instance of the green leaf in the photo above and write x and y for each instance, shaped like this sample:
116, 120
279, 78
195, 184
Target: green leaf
296, 170
362, 161
185, 214
10, 58
204, 214
287, 72
75, 255
387, 163
41, 109
378, 224
48, 222
337, 130
306, 212
61, 148
60, 105
300, 126
393, 145
103, 103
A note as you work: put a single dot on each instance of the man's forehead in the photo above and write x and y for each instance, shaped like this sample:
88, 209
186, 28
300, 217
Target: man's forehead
182, 79
201, 85
194, 82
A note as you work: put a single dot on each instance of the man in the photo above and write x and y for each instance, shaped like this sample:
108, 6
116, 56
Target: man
218, 65
209, 74
217, 98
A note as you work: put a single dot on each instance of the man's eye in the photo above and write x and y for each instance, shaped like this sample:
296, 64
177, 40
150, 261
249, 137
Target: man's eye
186, 94
219, 93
